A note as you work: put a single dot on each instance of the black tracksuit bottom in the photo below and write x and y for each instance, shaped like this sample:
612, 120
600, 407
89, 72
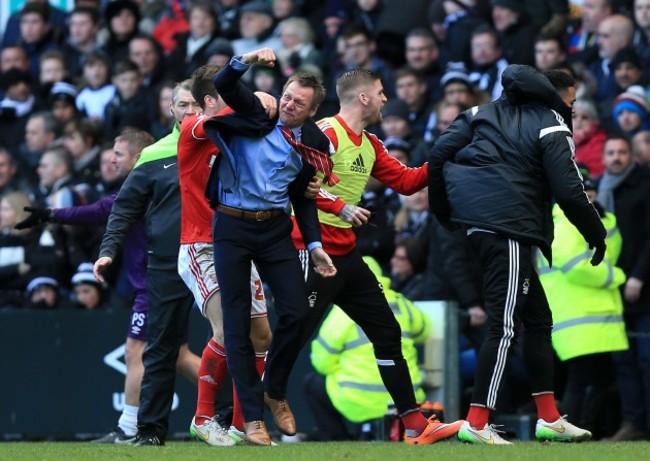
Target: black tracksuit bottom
513, 297
357, 292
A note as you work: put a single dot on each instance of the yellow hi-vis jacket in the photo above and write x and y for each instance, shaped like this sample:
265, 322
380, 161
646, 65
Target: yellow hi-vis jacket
343, 353
585, 300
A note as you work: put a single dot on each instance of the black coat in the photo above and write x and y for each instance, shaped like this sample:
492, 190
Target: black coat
499, 166
632, 210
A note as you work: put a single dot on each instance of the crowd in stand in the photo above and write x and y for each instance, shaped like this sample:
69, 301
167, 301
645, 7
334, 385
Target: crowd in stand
71, 81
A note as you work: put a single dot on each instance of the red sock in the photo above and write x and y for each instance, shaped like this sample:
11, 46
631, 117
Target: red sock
260, 363
478, 416
237, 415
212, 369
546, 408
415, 421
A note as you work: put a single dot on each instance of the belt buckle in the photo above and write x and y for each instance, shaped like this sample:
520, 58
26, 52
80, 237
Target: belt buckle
261, 215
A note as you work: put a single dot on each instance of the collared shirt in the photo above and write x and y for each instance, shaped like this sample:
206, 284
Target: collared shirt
264, 167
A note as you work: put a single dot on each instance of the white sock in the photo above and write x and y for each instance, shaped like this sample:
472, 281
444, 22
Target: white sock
128, 421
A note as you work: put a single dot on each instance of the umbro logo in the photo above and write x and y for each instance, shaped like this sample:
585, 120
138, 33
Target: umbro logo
358, 166
167, 166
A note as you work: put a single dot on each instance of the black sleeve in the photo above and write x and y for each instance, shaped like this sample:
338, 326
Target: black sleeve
238, 96
566, 185
129, 206
305, 208
457, 136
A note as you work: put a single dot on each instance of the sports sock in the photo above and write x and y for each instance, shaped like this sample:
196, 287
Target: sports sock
260, 362
128, 421
478, 416
415, 421
212, 369
546, 407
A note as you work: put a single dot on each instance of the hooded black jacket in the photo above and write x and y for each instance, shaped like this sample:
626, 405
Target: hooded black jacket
499, 165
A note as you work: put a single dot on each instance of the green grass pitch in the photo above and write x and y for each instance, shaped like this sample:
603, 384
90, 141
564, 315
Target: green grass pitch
333, 451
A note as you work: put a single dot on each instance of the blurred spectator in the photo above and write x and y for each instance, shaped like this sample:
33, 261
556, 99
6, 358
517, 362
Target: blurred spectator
146, 53
515, 31
284, 9
228, 18
256, 28
641, 142
54, 172
399, 149
13, 265
422, 55
41, 131
97, 90
191, 47
219, 52
110, 181
413, 219
267, 79
347, 385
62, 102
588, 136
121, 18
631, 111
454, 31
89, 294
549, 53
131, 105
82, 139
614, 33
395, 124
297, 50
408, 265
360, 51
83, 27
13, 57
36, 33
8, 180
581, 33
44, 294
18, 104
549, 17
51, 70
587, 314
624, 189
395, 21
57, 22
487, 61
641, 39
626, 66
164, 121
411, 88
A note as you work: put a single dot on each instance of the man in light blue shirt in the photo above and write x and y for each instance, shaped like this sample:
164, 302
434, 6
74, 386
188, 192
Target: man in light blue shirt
256, 177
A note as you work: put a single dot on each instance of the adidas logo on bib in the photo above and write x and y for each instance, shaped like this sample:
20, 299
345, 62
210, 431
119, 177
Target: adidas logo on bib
358, 166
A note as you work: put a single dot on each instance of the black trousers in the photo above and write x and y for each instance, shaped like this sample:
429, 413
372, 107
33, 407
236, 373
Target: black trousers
355, 289
513, 296
169, 307
237, 242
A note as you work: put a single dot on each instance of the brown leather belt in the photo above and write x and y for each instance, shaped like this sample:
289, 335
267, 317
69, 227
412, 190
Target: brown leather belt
261, 215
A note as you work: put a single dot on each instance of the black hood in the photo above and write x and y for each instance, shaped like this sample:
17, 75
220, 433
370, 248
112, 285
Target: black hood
526, 85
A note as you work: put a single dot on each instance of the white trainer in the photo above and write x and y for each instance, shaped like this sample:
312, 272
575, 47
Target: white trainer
560, 431
211, 433
489, 435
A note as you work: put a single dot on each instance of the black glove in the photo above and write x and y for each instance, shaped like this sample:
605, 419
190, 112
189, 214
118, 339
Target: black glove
38, 216
599, 253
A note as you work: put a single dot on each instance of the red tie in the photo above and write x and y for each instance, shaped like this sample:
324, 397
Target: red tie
319, 160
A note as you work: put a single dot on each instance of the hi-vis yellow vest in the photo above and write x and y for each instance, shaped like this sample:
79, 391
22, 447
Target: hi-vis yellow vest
352, 164
585, 300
